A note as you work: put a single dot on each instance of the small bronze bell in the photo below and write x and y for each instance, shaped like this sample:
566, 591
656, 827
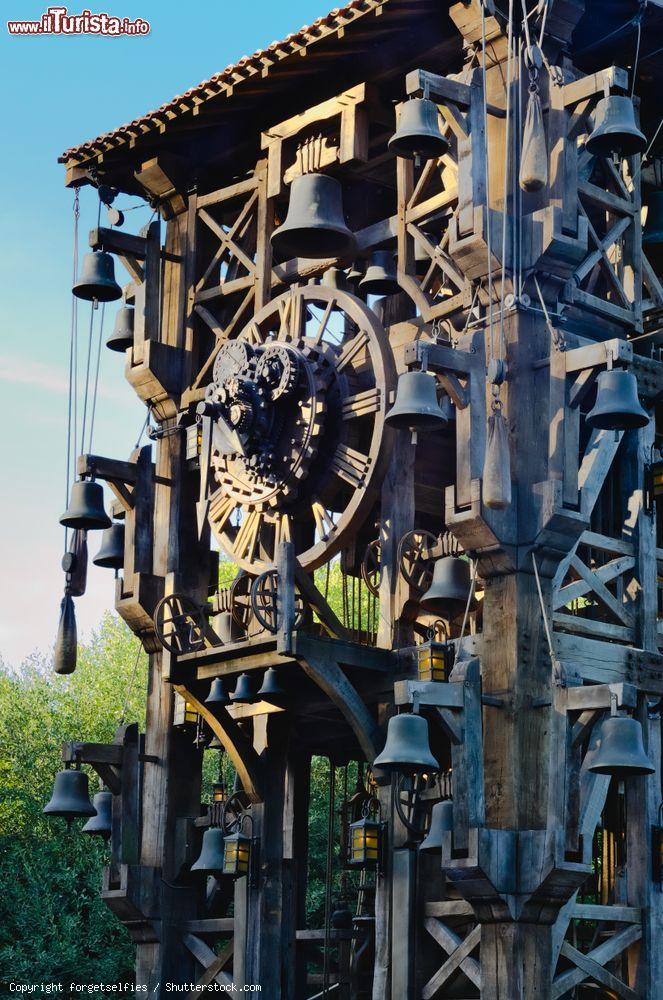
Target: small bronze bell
335, 278
356, 273
441, 821
210, 861
64, 654
111, 553
226, 627
86, 507
418, 132
271, 689
621, 752
407, 748
71, 796
122, 336
617, 407
416, 406
315, 226
450, 587
380, 277
97, 279
652, 234
101, 825
243, 693
615, 130
217, 693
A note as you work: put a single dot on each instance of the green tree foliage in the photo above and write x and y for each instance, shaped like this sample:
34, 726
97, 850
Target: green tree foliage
53, 924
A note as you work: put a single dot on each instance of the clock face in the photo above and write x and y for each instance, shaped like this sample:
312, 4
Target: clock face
294, 441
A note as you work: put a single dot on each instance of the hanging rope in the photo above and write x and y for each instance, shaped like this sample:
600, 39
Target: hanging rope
131, 684
73, 335
470, 598
484, 76
87, 374
329, 874
96, 376
507, 160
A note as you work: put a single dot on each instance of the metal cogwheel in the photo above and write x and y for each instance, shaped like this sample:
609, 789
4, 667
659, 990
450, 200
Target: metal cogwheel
232, 359
279, 367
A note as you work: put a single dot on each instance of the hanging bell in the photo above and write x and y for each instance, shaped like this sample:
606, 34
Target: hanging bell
380, 277
217, 693
617, 407
243, 693
70, 797
315, 226
652, 234
122, 336
621, 752
416, 406
101, 825
64, 654
418, 132
210, 861
441, 821
615, 130
111, 553
450, 587
335, 278
226, 627
356, 272
86, 507
96, 282
407, 747
271, 689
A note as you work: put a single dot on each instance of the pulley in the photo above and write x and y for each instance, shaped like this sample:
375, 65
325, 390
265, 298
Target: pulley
217, 693
315, 226
210, 861
652, 234
407, 747
380, 277
271, 688
122, 336
243, 693
416, 404
101, 825
621, 752
441, 821
418, 132
450, 586
96, 282
86, 507
615, 130
617, 407
111, 553
66, 642
71, 796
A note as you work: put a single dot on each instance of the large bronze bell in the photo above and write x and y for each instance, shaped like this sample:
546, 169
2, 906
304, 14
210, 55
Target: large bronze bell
615, 130
271, 689
380, 277
210, 861
418, 132
101, 825
407, 747
450, 586
122, 336
66, 642
111, 553
416, 406
86, 507
652, 234
243, 693
96, 282
217, 693
441, 821
621, 752
315, 226
71, 796
617, 407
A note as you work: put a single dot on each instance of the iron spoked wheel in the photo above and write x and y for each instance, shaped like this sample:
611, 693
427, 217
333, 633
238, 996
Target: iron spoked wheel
416, 559
371, 567
264, 596
240, 600
179, 624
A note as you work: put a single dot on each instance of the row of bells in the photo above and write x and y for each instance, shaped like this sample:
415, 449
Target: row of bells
617, 406
86, 512
245, 692
620, 752
71, 799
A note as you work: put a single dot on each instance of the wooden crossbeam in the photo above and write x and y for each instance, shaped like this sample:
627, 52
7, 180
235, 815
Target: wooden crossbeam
591, 968
458, 950
604, 574
596, 585
213, 964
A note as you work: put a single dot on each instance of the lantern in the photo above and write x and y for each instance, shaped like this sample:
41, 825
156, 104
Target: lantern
434, 659
365, 838
236, 854
184, 714
219, 792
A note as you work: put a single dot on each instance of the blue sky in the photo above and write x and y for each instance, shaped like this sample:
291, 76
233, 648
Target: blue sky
59, 91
